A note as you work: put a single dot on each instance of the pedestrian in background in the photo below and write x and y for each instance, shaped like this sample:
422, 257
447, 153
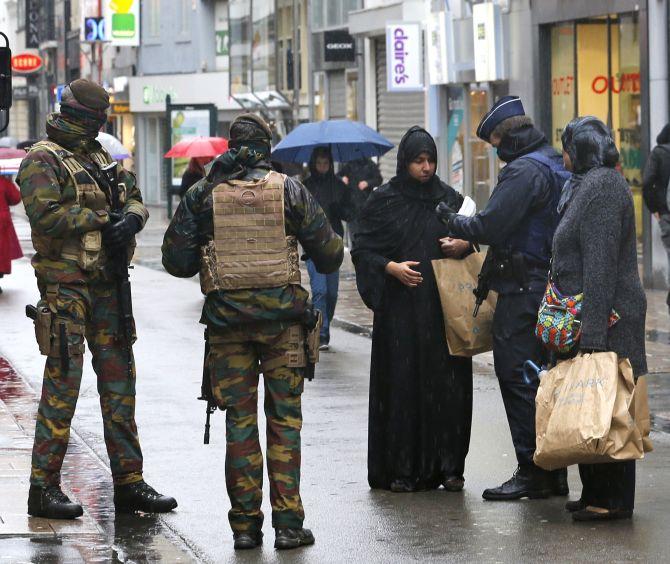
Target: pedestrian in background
420, 396
362, 176
655, 179
518, 223
335, 199
194, 171
10, 249
595, 253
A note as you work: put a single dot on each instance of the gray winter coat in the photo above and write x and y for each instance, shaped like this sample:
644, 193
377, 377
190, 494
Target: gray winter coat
595, 251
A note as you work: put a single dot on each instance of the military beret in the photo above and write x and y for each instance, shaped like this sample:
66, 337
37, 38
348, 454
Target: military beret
90, 94
506, 107
262, 129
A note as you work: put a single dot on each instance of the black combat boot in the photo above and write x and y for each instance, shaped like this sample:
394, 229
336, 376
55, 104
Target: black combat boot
50, 502
140, 496
286, 538
528, 481
246, 541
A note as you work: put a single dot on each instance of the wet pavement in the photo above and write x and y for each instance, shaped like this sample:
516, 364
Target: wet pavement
351, 522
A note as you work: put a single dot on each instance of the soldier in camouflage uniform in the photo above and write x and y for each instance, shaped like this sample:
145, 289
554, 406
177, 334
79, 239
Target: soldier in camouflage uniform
238, 228
74, 233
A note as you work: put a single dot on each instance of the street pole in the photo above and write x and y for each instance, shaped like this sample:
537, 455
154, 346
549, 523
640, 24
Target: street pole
296, 59
310, 61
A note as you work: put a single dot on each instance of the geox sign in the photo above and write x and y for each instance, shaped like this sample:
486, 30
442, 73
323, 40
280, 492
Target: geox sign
340, 47
32, 24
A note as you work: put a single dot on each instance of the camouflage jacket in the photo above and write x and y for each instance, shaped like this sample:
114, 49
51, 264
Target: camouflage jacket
193, 226
50, 198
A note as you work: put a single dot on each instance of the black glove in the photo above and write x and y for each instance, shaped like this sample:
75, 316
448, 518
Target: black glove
120, 229
445, 214
229, 165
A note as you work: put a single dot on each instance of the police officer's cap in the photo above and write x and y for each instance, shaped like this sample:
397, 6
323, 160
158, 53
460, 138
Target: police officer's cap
506, 107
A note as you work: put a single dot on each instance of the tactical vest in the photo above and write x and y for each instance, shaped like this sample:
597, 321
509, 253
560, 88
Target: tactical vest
85, 249
250, 249
534, 237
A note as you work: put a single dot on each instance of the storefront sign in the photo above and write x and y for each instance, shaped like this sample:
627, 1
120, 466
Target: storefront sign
120, 108
25, 92
222, 43
340, 46
489, 49
147, 93
122, 22
440, 49
93, 29
404, 57
26, 63
32, 24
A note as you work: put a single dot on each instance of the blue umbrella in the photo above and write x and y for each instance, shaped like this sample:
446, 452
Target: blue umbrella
347, 140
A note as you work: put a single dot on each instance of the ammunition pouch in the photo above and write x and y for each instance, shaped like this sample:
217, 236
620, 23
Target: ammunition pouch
86, 252
293, 340
65, 328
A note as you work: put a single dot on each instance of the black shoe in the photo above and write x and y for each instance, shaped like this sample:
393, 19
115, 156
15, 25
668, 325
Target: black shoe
286, 538
587, 514
528, 481
576, 505
140, 496
246, 541
52, 503
559, 482
454, 483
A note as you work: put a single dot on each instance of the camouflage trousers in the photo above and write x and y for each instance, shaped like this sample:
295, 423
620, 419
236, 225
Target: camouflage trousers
89, 311
235, 359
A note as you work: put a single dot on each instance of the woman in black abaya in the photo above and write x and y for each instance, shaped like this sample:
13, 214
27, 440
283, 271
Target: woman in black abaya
420, 396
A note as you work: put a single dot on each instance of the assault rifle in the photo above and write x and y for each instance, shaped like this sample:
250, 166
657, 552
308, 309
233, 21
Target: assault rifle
206, 390
118, 263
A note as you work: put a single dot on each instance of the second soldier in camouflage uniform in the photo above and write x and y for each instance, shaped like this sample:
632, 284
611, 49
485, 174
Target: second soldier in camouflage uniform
237, 228
74, 233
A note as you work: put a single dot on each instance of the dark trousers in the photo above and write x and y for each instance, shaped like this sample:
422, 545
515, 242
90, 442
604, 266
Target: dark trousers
514, 343
610, 485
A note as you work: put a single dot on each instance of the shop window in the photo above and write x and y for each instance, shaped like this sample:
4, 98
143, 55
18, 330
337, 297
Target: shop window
595, 70
240, 46
562, 80
455, 137
263, 45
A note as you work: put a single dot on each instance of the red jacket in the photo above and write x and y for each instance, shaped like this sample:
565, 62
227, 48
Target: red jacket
10, 249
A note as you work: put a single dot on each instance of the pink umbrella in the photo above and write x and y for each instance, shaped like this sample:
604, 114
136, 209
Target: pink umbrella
199, 147
8, 153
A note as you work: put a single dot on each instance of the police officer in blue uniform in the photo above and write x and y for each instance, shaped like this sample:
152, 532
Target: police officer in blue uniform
518, 224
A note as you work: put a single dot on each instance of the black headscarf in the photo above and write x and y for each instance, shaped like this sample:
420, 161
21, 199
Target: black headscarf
664, 136
395, 215
589, 143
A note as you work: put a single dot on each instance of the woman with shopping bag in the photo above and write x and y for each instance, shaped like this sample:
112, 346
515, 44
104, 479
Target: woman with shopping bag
595, 262
420, 395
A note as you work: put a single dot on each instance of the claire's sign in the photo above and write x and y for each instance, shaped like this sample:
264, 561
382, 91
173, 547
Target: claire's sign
404, 57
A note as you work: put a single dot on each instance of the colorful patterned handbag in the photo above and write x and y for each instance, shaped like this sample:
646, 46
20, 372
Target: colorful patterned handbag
558, 325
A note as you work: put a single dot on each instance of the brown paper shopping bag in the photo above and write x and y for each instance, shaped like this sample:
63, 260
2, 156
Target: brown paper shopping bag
456, 280
584, 410
641, 413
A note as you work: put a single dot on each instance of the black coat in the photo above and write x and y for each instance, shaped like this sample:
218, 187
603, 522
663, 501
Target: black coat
358, 171
523, 186
655, 179
333, 196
